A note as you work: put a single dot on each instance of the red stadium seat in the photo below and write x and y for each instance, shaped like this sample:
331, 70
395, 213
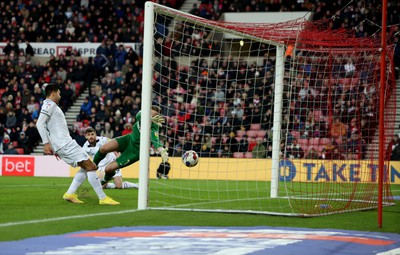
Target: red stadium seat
314, 141
303, 142
240, 133
256, 127
238, 138
296, 134
261, 133
306, 148
248, 155
324, 141
320, 148
252, 133
238, 155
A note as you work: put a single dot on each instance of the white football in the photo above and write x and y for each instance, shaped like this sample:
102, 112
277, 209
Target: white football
190, 158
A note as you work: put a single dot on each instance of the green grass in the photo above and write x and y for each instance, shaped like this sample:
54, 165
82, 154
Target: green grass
25, 199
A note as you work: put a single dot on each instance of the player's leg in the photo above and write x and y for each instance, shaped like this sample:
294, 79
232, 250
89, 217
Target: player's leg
79, 178
123, 145
93, 179
132, 156
74, 155
116, 144
121, 184
118, 182
101, 174
71, 154
110, 146
110, 171
129, 185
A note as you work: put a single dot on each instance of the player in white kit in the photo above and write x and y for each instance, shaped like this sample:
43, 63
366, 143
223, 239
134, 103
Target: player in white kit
91, 146
54, 132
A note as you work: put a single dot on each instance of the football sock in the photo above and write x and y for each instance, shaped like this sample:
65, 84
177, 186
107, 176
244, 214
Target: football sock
108, 176
129, 185
95, 182
110, 186
98, 157
79, 178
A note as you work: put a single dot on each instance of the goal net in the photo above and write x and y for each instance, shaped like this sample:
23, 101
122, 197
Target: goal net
284, 117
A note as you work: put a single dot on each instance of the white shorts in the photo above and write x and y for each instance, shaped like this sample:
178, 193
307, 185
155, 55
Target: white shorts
101, 170
72, 153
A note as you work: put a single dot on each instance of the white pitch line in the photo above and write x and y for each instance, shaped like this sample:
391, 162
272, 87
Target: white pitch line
64, 218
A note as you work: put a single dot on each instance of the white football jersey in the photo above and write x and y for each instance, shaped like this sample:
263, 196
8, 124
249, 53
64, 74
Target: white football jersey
52, 125
92, 150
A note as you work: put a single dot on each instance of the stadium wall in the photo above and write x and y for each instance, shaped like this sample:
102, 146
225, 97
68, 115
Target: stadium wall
258, 169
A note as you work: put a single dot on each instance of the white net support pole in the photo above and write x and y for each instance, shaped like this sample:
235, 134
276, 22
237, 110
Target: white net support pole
146, 105
276, 135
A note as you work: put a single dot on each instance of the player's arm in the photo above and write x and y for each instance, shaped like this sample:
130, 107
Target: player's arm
43, 132
155, 140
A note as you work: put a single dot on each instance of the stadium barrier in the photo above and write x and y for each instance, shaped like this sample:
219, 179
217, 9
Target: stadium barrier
343, 171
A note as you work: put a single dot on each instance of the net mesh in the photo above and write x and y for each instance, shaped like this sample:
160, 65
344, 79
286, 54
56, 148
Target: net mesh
215, 83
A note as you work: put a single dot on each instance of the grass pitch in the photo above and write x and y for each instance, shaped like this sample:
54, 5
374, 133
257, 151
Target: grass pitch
33, 206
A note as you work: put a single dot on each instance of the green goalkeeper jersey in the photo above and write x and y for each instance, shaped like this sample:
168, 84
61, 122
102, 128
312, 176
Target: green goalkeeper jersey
155, 140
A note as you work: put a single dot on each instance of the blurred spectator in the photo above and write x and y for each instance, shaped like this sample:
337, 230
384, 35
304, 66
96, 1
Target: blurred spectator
356, 146
127, 129
240, 100
32, 133
86, 107
393, 149
29, 50
107, 131
294, 150
349, 68
24, 143
243, 144
77, 135
259, 151
10, 149
269, 151
11, 121
337, 154
120, 57
338, 128
312, 154
4, 144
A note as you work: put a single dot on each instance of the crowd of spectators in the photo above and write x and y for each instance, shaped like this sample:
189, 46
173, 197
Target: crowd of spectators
231, 111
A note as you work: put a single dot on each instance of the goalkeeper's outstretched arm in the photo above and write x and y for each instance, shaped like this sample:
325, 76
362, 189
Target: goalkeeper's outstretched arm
156, 122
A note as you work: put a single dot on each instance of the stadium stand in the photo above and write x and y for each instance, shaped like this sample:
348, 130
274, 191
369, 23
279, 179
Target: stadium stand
116, 84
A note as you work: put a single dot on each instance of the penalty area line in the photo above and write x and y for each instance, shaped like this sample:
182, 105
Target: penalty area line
8, 224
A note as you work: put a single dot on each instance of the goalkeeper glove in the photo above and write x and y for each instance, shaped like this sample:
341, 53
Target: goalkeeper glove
164, 154
158, 120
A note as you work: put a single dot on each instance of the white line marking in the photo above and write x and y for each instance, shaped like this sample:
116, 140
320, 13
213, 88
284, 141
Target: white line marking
64, 218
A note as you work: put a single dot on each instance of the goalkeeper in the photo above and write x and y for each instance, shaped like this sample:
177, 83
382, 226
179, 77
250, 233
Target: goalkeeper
129, 145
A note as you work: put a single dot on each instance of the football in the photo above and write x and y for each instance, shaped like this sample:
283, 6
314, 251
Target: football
190, 158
